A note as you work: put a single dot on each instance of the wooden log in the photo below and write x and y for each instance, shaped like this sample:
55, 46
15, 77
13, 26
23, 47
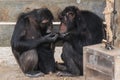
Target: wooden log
108, 12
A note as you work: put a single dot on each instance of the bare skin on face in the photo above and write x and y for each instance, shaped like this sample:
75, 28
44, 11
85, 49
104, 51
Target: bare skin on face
63, 28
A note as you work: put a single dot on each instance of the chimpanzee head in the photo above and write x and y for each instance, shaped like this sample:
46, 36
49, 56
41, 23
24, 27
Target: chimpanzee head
42, 18
68, 17
45, 17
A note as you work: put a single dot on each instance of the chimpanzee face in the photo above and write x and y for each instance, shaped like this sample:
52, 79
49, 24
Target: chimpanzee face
67, 21
44, 18
46, 25
67, 17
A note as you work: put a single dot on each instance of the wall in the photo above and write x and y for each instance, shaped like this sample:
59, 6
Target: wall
118, 22
10, 9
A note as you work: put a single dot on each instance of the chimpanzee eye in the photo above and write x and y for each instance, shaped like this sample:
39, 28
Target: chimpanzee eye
42, 24
46, 24
70, 13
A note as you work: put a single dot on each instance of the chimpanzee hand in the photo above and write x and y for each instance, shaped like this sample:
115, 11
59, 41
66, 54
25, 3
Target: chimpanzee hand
66, 36
63, 35
51, 37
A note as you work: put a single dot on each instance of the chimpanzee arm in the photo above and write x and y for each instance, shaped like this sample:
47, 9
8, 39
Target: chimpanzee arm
20, 44
31, 43
17, 41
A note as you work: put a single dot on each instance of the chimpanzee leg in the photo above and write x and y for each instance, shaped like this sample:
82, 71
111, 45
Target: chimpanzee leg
68, 56
72, 66
29, 62
46, 60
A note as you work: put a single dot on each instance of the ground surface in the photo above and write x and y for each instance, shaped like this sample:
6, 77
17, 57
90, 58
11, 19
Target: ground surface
9, 70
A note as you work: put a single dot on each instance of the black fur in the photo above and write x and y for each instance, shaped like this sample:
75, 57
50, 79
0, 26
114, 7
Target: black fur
83, 28
31, 44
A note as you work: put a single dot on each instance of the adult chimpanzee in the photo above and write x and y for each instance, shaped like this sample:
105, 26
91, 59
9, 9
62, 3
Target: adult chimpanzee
31, 42
81, 28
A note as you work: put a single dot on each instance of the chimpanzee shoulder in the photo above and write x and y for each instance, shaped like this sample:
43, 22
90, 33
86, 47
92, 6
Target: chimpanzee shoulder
90, 16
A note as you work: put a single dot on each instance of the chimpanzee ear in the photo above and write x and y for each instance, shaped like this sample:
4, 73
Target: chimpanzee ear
60, 16
71, 15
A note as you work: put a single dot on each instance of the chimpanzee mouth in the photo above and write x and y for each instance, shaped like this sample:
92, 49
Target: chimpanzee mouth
63, 28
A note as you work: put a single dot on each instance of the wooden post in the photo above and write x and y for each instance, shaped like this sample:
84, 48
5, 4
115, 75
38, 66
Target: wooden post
108, 13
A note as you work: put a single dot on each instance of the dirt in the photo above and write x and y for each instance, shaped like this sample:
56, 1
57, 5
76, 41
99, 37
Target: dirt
9, 70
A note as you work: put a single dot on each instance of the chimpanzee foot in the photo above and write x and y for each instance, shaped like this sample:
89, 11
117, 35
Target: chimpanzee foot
61, 66
50, 73
34, 74
64, 74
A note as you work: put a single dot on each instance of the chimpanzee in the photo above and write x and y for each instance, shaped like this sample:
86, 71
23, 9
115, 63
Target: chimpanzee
80, 28
31, 42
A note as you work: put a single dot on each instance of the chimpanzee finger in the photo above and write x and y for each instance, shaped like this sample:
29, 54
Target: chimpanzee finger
55, 37
48, 35
52, 34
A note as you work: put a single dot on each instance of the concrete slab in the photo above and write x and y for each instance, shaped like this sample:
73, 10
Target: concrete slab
9, 70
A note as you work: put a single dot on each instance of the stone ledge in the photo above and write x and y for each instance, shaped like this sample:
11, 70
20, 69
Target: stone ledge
9, 70
7, 58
